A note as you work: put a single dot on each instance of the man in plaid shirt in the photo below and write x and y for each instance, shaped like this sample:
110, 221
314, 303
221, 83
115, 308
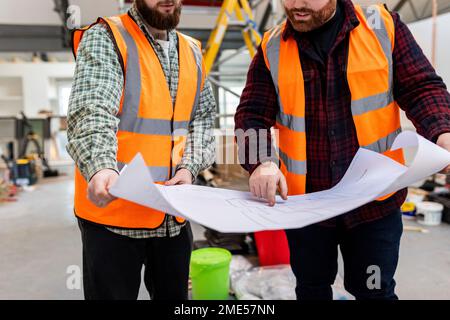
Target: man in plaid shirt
112, 256
370, 235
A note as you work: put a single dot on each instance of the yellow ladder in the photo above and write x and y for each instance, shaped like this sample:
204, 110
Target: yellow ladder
244, 16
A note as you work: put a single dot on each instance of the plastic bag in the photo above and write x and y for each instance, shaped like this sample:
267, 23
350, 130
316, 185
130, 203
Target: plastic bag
274, 283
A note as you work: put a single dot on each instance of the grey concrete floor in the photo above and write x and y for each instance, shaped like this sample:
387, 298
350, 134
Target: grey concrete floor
40, 245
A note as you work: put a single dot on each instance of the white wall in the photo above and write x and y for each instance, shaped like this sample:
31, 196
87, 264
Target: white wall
37, 91
422, 31
28, 12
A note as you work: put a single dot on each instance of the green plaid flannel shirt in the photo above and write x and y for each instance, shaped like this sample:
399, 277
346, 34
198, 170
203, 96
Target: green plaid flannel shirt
94, 104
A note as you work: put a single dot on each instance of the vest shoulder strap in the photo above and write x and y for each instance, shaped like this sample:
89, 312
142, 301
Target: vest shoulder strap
117, 30
273, 34
377, 18
192, 40
196, 45
77, 35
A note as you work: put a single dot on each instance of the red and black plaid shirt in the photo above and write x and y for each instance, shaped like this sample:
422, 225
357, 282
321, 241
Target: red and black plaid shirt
330, 131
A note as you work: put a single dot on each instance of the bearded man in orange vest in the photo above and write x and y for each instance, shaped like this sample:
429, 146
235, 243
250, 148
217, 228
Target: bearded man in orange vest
331, 79
139, 87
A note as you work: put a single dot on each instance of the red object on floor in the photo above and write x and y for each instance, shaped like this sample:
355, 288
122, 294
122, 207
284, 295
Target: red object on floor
272, 247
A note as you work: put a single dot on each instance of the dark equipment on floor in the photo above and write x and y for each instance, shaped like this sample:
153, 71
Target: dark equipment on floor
22, 172
29, 136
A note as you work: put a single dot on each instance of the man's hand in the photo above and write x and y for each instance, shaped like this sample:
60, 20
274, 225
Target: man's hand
98, 188
444, 142
182, 176
265, 180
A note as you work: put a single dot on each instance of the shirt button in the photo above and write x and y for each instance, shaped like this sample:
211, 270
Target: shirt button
333, 163
332, 132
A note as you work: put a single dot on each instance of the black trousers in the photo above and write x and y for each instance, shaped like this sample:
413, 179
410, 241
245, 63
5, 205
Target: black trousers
112, 264
366, 249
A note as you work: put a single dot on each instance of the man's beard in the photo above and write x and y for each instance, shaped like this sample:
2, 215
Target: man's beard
158, 20
317, 18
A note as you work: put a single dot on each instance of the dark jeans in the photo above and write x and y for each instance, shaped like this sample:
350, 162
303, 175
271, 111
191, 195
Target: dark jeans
314, 254
112, 264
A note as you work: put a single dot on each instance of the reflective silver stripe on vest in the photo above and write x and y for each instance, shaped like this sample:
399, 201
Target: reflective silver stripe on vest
158, 126
371, 103
381, 100
294, 166
384, 144
292, 122
273, 56
198, 60
158, 173
132, 77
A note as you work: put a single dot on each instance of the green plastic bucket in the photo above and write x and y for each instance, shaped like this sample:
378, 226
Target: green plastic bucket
209, 271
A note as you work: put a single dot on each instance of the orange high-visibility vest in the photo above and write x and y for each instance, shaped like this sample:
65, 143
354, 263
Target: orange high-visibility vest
370, 78
149, 122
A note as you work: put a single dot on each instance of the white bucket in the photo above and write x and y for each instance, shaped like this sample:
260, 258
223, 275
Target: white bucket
429, 213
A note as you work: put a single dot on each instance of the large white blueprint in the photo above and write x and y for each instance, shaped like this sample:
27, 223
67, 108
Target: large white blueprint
369, 176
